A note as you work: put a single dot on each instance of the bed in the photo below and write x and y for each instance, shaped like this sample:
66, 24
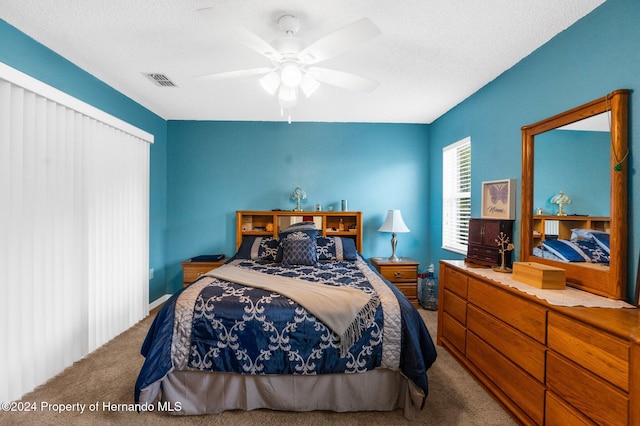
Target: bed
584, 246
302, 322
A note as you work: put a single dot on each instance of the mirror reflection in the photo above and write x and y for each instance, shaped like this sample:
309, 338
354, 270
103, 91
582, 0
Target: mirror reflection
573, 159
574, 192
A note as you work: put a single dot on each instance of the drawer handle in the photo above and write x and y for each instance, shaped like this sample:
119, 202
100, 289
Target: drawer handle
398, 275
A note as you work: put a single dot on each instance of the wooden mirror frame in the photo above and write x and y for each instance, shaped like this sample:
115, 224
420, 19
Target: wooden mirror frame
611, 283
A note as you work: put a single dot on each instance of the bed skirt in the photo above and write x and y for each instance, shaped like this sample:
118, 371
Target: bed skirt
209, 393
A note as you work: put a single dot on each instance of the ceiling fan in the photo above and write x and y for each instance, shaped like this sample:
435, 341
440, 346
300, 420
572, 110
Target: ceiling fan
293, 67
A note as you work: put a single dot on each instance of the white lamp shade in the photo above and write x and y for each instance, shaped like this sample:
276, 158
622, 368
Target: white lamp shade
394, 223
308, 85
287, 96
270, 82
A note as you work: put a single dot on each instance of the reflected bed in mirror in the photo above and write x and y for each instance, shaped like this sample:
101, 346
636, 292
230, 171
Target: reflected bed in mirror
580, 152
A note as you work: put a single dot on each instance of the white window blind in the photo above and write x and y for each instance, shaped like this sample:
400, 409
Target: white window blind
74, 184
456, 195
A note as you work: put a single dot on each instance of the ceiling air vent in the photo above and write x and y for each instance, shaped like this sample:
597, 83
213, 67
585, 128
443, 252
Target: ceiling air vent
161, 80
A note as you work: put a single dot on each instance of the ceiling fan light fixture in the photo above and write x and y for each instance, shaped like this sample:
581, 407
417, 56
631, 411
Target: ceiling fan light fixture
291, 75
309, 85
288, 97
270, 82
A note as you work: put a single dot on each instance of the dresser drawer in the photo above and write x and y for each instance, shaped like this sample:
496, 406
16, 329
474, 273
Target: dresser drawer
525, 316
455, 281
522, 350
482, 253
409, 290
399, 273
600, 401
191, 271
598, 352
454, 332
522, 389
559, 413
455, 306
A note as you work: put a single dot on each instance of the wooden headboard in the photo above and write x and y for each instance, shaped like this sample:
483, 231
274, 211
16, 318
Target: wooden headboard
270, 223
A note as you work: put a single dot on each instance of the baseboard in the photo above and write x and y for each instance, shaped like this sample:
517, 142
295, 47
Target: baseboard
159, 301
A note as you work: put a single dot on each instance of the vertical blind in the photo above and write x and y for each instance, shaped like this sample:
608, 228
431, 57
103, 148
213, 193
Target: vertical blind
456, 195
74, 185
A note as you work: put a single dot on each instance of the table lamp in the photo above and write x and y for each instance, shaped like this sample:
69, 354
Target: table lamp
393, 223
561, 199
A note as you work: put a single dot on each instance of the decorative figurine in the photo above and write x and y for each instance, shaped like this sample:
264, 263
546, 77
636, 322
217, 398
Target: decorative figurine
298, 194
505, 245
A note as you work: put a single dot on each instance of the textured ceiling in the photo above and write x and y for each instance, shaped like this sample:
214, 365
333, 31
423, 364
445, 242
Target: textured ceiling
431, 55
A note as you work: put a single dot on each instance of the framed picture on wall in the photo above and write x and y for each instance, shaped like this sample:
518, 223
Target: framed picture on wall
499, 199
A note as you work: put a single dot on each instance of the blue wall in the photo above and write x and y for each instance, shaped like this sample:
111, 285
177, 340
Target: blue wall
216, 168
595, 56
577, 163
201, 172
23, 53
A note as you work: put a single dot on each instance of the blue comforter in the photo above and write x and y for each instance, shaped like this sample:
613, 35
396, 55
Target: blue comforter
246, 330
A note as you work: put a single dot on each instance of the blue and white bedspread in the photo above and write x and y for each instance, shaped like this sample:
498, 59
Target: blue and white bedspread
219, 326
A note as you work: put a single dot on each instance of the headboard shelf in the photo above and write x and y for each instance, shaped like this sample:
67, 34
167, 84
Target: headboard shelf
270, 223
564, 225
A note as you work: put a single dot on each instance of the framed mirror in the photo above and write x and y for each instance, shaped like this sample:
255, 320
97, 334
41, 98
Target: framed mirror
549, 224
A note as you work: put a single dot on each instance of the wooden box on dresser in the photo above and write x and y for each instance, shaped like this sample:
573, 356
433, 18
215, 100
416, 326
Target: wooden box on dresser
546, 364
483, 234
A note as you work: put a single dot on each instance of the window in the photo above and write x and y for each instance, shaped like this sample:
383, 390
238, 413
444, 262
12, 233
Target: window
456, 195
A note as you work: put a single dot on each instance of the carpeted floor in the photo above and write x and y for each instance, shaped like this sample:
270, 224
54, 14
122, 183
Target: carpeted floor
107, 376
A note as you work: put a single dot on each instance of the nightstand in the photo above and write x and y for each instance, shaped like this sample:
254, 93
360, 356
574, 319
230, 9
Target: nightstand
402, 273
192, 270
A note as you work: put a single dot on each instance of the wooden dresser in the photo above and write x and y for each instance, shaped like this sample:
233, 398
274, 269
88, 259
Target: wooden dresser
545, 364
402, 273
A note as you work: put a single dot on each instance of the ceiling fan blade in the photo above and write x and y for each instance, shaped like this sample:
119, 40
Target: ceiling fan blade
235, 74
343, 79
256, 43
339, 41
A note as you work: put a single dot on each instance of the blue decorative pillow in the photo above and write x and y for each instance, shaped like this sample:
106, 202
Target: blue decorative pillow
576, 251
258, 248
300, 251
602, 239
546, 254
599, 237
298, 231
335, 249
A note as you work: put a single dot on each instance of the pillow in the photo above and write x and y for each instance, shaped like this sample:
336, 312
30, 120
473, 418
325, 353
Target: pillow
594, 251
545, 254
258, 248
566, 250
299, 231
299, 251
576, 251
581, 234
303, 225
602, 239
335, 249
599, 237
